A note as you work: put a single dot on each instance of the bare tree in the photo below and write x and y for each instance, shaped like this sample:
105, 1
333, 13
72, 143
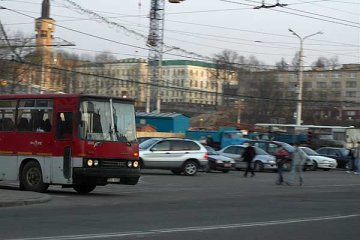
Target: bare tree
105, 57
282, 65
321, 63
295, 63
18, 60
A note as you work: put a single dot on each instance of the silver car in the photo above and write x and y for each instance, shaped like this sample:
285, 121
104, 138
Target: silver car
262, 160
175, 154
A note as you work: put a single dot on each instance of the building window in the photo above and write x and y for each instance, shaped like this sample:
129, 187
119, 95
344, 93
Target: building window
351, 94
351, 84
350, 113
320, 75
336, 94
353, 75
336, 84
307, 84
321, 84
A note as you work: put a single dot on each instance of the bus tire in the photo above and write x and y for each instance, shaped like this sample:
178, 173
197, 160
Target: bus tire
31, 178
84, 188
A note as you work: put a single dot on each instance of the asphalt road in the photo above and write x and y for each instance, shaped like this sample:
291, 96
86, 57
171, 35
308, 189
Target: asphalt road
208, 206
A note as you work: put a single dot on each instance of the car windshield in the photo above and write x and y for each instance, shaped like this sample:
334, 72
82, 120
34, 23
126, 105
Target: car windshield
211, 151
259, 151
345, 152
325, 137
233, 135
147, 143
309, 151
107, 120
287, 147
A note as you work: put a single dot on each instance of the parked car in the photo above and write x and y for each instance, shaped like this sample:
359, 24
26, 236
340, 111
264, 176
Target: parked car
319, 161
342, 155
175, 154
271, 147
218, 162
262, 160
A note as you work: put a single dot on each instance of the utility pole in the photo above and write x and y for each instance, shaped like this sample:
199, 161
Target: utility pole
301, 70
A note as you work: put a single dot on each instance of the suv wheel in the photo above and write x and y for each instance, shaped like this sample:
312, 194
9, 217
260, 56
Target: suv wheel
190, 168
259, 166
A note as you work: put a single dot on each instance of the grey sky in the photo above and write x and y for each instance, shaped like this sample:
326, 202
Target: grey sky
205, 27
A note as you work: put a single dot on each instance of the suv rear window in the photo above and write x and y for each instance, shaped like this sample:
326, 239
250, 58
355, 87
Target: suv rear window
180, 145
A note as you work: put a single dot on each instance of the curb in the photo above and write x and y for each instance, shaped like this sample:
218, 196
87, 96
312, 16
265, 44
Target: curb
23, 202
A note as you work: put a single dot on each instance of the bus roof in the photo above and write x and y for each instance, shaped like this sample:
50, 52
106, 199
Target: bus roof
58, 95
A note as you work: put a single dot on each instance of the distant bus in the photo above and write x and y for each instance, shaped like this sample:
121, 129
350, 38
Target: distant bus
72, 140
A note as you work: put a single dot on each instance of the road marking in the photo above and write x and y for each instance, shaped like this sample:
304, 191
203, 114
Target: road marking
335, 185
191, 229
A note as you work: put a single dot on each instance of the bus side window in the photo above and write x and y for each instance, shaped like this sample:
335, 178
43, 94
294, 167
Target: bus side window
8, 124
64, 125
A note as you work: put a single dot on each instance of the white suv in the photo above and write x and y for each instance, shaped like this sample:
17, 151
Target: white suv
175, 154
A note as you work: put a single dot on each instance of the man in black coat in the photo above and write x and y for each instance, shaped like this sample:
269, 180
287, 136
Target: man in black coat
248, 156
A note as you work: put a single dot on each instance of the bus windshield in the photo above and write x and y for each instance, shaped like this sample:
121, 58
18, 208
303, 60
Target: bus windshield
107, 120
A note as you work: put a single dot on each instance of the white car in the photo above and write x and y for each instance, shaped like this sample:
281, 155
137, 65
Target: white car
175, 154
262, 160
319, 161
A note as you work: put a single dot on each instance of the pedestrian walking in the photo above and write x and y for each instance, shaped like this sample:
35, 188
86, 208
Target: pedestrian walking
353, 164
357, 159
281, 156
298, 159
248, 156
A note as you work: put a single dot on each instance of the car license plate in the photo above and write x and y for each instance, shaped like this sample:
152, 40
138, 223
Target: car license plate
113, 180
227, 165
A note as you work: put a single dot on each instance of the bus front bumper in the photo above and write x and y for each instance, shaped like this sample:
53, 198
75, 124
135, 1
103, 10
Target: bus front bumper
102, 176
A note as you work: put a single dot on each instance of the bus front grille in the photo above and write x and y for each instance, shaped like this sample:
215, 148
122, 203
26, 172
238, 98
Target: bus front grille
113, 164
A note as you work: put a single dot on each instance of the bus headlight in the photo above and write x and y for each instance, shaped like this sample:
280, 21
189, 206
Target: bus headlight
129, 163
136, 164
90, 162
96, 163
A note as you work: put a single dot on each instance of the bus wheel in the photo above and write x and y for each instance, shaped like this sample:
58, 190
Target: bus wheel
31, 178
84, 188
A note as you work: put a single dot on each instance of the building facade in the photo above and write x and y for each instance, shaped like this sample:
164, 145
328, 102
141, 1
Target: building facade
182, 81
338, 89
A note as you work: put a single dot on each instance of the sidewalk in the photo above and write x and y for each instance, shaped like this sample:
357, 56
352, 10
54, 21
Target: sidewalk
15, 197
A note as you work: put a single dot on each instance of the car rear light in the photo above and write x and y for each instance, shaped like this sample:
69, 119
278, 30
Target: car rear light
206, 156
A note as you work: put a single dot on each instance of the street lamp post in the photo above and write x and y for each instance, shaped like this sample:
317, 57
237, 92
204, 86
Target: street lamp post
301, 70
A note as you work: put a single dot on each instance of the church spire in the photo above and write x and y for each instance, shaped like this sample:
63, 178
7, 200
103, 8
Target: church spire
45, 11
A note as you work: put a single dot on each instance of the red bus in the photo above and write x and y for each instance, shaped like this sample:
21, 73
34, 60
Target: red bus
72, 140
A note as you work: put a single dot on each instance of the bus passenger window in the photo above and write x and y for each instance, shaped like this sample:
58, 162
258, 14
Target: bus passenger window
64, 125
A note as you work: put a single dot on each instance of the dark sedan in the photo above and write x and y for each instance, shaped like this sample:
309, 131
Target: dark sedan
218, 162
342, 155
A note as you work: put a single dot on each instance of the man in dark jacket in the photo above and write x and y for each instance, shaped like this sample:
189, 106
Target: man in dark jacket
248, 156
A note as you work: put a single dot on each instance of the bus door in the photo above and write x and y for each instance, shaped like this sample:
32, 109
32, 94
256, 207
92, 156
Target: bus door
63, 144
